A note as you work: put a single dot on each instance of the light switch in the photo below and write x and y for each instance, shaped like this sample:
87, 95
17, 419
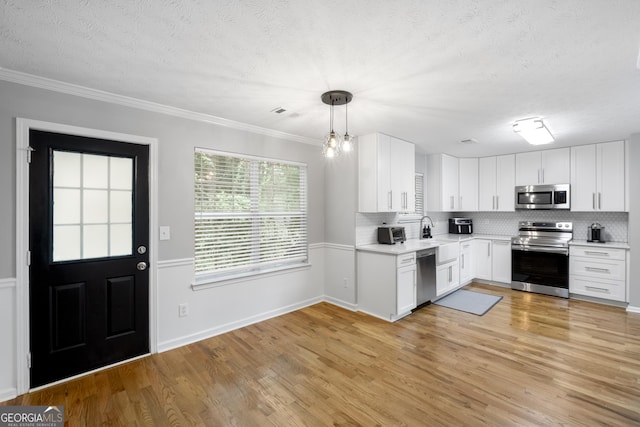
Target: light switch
165, 232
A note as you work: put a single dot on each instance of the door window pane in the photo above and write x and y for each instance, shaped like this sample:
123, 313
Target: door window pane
67, 167
66, 207
120, 239
95, 241
121, 173
120, 206
95, 171
66, 242
95, 206
92, 206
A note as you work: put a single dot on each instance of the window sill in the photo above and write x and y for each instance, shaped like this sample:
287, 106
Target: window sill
208, 282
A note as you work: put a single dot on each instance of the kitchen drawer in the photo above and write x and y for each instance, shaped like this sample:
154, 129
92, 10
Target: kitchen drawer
406, 259
596, 269
597, 252
608, 289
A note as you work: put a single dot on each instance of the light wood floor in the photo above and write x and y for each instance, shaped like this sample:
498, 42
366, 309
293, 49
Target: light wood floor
531, 360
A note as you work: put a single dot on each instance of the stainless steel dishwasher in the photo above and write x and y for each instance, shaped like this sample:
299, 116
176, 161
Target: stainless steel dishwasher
426, 289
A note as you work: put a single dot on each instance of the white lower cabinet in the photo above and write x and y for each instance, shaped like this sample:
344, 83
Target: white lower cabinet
466, 263
482, 258
406, 289
447, 268
386, 284
492, 260
501, 261
598, 272
447, 277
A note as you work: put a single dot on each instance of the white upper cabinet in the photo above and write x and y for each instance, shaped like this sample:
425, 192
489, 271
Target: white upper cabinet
403, 175
452, 183
543, 167
598, 177
468, 185
450, 173
386, 169
496, 182
442, 183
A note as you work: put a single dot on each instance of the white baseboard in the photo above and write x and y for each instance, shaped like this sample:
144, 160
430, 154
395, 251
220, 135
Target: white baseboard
343, 304
8, 394
633, 309
212, 332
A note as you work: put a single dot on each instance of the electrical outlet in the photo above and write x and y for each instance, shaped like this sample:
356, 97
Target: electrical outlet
165, 232
183, 309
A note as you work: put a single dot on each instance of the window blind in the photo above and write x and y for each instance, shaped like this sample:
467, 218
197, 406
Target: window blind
419, 194
250, 214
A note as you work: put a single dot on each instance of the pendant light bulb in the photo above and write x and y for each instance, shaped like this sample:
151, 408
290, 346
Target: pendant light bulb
347, 144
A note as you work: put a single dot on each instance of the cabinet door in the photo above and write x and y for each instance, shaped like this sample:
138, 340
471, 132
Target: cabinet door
528, 168
610, 171
487, 184
383, 175
555, 166
374, 173
583, 178
447, 277
501, 261
466, 263
505, 183
402, 175
468, 185
482, 258
406, 289
450, 183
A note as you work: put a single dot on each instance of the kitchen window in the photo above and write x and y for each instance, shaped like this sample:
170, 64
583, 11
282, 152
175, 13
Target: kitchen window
250, 215
419, 198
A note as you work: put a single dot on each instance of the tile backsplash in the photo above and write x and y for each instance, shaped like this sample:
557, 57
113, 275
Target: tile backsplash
500, 223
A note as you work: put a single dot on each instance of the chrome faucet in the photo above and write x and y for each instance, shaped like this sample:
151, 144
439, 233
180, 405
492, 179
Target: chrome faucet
422, 236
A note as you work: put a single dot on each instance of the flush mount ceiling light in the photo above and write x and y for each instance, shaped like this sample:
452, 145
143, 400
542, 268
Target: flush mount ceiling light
334, 143
533, 131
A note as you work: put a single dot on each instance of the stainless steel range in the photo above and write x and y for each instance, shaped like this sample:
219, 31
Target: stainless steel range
540, 257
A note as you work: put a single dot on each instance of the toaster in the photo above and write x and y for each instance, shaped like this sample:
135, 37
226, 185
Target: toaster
391, 235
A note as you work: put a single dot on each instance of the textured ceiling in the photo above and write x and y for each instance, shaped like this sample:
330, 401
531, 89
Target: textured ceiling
431, 72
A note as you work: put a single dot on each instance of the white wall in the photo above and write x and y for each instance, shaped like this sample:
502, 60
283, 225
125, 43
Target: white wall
219, 309
213, 310
341, 197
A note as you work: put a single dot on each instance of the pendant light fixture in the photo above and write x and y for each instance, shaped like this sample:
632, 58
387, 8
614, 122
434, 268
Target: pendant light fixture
334, 143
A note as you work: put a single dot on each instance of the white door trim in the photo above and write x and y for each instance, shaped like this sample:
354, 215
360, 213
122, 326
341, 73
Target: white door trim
23, 126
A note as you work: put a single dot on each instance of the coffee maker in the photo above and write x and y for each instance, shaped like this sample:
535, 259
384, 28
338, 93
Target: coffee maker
595, 233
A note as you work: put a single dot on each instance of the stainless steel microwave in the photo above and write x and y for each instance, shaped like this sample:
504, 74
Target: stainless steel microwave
557, 196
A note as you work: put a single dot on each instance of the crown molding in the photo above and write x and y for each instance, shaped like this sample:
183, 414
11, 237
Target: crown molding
99, 95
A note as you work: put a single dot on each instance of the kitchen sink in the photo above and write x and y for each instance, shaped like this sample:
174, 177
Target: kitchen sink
447, 251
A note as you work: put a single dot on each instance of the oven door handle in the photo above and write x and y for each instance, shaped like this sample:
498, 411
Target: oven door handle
546, 249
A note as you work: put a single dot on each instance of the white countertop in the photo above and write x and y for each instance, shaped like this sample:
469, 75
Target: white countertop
613, 245
413, 245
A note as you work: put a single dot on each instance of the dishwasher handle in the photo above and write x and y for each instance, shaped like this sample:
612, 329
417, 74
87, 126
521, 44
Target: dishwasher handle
426, 253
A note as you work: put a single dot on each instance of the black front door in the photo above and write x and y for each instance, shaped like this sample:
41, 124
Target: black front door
88, 238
